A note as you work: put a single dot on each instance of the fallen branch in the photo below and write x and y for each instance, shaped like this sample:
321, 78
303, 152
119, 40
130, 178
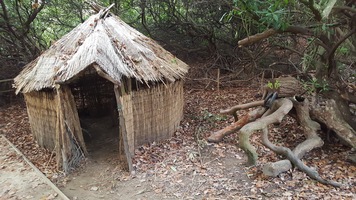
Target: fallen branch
257, 37
296, 161
249, 117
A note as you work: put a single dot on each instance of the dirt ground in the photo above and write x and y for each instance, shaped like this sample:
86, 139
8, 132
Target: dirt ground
103, 176
17, 179
186, 166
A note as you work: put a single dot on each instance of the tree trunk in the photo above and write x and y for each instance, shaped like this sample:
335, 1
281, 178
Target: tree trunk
330, 115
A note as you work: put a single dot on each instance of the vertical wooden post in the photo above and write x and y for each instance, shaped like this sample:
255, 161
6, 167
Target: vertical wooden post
122, 125
61, 140
58, 141
218, 80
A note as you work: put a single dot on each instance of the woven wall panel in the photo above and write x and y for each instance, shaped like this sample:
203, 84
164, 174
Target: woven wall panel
42, 114
155, 113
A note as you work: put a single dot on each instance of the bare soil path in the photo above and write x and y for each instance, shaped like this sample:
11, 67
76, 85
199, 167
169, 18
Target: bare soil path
18, 180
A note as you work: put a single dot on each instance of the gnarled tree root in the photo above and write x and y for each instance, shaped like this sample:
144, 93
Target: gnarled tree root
284, 106
310, 129
296, 161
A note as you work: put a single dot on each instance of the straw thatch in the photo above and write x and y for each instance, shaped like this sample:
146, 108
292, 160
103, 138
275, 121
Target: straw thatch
118, 49
100, 56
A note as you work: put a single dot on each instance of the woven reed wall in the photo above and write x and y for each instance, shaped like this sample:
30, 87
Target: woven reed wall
153, 114
42, 114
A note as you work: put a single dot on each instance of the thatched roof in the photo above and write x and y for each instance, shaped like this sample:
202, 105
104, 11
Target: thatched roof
118, 49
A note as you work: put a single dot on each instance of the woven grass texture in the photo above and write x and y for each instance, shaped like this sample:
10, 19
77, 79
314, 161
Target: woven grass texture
42, 114
153, 114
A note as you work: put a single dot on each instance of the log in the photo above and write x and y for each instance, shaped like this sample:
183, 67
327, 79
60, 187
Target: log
249, 117
284, 106
312, 141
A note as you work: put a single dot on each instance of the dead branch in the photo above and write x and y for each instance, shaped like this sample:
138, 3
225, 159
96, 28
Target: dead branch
313, 141
284, 106
232, 110
255, 38
249, 117
296, 161
269, 32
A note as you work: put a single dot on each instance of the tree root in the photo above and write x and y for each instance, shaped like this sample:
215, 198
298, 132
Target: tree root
310, 129
260, 118
296, 161
284, 106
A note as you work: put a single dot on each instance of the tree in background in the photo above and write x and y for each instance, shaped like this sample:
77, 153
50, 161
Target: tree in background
29, 27
184, 27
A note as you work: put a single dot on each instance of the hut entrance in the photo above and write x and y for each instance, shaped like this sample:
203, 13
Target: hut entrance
97, 110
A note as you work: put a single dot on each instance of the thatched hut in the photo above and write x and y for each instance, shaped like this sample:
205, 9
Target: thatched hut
101, 66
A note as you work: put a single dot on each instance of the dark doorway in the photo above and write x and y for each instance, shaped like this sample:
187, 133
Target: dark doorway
97, 110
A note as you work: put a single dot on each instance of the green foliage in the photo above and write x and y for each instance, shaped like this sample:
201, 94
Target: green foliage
59, 17
210, 27
29, 28
275, 85
128, 10
315, 86
268, 14
343, 50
